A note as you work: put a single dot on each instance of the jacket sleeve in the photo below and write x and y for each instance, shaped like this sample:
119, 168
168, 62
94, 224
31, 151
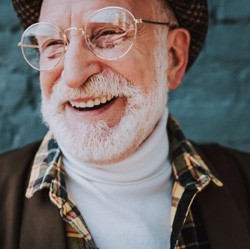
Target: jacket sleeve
14, 175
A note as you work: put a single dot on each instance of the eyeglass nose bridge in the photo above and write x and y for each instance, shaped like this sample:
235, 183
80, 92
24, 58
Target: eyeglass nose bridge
70, 29
75, 28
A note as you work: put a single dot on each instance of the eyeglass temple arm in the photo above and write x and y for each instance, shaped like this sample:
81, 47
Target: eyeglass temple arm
27, 45
171, 25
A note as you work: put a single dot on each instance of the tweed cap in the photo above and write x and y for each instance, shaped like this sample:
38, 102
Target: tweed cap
191, 15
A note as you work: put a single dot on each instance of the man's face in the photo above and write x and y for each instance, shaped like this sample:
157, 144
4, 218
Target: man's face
132, 88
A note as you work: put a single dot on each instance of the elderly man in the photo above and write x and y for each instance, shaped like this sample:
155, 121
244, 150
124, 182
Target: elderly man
109, 174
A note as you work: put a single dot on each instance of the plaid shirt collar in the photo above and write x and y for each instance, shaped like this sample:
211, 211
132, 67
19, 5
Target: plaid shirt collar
188, 167
191, 175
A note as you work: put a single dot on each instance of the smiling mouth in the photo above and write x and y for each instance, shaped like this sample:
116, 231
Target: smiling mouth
93, 104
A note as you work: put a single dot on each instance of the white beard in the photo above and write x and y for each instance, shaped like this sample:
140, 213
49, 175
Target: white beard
96, 142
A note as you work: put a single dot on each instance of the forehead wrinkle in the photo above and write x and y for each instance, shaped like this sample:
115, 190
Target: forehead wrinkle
149, 12
60, 16
64, 15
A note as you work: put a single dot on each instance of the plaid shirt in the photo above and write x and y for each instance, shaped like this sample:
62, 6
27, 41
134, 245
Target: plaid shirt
190, 176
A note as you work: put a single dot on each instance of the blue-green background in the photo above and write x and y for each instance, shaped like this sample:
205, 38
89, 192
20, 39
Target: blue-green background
212, 105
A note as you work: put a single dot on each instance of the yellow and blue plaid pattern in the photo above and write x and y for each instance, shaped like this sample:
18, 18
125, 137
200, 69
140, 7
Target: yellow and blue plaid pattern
190, 176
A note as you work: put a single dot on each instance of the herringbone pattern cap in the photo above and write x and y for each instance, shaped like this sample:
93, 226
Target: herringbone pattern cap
192, 15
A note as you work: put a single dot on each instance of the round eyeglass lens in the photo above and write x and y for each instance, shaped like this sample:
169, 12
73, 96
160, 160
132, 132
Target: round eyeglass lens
43, 46
110, 32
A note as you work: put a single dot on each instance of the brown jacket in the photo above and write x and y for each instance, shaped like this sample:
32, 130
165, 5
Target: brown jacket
36, 223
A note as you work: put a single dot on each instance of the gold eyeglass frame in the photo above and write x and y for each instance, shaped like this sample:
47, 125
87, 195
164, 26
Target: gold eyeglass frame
83, 31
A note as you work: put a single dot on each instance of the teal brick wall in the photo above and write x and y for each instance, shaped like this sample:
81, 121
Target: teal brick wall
212, 105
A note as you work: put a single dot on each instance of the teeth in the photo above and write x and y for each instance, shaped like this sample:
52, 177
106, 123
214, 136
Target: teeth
97, 102
91, 103
103, 100
79, 104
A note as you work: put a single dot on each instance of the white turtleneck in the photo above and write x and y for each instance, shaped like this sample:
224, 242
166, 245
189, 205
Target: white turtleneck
126, 204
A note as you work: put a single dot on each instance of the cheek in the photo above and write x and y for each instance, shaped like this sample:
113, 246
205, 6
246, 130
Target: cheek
138, 68
144, 74
48, 80
144, 65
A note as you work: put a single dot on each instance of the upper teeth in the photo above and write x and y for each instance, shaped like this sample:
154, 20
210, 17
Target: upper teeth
90, 103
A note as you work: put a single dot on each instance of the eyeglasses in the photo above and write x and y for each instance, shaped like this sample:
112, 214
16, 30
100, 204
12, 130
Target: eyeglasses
109, 33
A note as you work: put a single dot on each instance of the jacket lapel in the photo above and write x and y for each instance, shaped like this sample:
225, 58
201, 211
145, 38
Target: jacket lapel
221, 212
42, 226
223, 221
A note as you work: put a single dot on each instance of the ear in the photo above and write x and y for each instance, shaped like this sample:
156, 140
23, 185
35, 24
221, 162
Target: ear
178, 48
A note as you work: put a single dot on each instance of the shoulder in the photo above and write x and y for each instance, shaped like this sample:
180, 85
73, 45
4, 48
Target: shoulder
15, 169
15, 163
224, 159
215, 149
24, 153
230, 166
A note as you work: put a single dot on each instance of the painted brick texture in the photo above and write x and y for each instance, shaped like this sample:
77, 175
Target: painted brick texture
213, 102
212, 105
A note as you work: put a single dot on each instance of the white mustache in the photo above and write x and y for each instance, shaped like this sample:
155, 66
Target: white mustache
102, 84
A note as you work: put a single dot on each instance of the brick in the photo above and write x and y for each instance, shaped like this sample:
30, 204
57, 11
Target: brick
228, 43
230, 11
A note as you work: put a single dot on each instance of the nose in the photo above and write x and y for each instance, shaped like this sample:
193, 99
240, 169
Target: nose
79, 63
